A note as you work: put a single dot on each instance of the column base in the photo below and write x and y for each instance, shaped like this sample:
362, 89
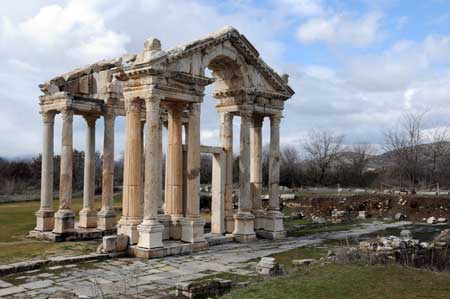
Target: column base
175, 227
106, 219
45, 220
64, 222
150, 234
128, 227
229, 224
273, 225
244, 227
88, 218
192, 230
165, 221
259, 219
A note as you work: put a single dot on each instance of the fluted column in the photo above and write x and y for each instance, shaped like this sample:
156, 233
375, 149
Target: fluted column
44, 216
64, 217
107, 215
256, 170
163, 217
244, 220
150, 230
273, 224
131, 216
193, 224
174, 189
226, 137
274, 163
88, 215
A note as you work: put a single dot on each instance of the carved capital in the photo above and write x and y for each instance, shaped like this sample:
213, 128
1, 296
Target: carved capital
48, 116
275, 120
226, 117
90, 120
67, 114
257, 121
246, 117
109, 114
194, 109
132, 105
153, 104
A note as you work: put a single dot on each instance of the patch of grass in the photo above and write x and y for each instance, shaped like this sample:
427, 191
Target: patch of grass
350, 282
307, 252
318, 228
26, 250
17, 219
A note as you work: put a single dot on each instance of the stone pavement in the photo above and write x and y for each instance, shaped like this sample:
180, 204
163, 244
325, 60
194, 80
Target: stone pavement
155, 278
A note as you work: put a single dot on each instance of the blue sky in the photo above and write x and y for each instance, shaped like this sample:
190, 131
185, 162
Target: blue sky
356, 66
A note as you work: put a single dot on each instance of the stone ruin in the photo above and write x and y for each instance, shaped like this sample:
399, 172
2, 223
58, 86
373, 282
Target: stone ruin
152, 90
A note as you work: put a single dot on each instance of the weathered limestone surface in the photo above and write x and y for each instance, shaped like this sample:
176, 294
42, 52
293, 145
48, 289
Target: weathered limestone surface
243, 219
88, 215
226, 136
44, 217
143, 88
150, 230
256, 170
107, 215
64, 217
132, 214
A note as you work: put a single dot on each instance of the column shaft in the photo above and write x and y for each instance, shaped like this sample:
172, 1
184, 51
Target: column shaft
226, 136
65, 218
107, 215
245, 203
193, 162
274, 163
174, 200
88, 215
256, 162
151, 231
132, 171
44, 217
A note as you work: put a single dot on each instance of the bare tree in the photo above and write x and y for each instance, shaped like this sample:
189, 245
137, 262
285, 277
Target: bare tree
289, 167
323, 149
439, 147
404, 144
361, 153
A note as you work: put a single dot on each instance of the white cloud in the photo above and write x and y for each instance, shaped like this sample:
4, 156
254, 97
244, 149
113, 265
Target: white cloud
305, 8
341, 28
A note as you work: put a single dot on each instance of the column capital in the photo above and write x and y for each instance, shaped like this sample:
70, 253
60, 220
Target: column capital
109, 113
132, 105
48, 116
90, 119
67, 114
275, 119
246, 117
257, 121
153, 103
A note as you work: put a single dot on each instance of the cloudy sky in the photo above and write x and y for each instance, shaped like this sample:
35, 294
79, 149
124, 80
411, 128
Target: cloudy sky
356, 65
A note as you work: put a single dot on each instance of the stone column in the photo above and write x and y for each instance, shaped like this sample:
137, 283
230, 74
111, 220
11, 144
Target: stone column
88, 215
226, 137
44, 216
163, 218
256, 170
244, 219
217, 194
131, 216
107, 215
274, 219
174, 189
64, 217
150, 230
193, 224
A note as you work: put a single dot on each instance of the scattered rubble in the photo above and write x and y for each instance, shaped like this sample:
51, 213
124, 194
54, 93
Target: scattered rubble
114, 243
204, 289
268, 266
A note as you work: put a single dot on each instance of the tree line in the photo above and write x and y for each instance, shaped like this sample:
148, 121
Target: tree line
413, 157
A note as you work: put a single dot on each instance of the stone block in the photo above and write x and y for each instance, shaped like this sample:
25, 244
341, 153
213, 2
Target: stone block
64, 222
150, 235
268, 266
303, 262
192, 230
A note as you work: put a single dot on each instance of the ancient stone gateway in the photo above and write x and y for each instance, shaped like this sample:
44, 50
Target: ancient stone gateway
151, 89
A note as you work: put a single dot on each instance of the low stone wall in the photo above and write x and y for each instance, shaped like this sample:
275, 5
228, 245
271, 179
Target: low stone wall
204, 289
415, 208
